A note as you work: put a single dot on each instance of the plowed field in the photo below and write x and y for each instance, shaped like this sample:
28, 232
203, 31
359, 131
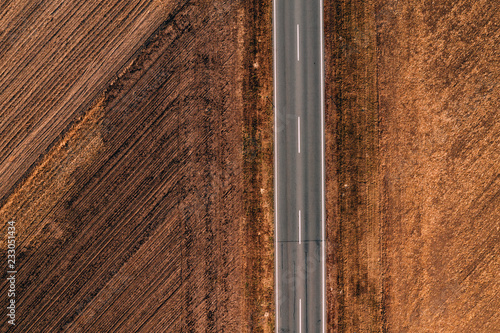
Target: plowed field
123, 166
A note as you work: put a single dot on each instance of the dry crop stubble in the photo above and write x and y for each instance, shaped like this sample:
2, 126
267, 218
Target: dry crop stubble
412, 160
130, 208
56, 58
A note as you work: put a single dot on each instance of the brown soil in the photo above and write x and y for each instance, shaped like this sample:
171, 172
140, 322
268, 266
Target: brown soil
413, 159
56, 58
128, 192
258, 136
352, 189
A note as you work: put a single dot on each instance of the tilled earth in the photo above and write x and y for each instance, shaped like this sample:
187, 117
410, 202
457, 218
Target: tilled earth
122, 165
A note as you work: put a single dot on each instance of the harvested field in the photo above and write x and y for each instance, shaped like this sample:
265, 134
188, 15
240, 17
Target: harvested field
58, 56
123, 165
413, 158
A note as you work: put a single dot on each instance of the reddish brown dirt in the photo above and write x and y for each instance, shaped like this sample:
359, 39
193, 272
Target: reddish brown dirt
412, 165
438, 87
56, 57
352, 188
130, 210
258, 137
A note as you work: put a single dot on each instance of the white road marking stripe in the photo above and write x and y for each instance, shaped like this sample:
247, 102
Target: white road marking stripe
298, 44
300, 231
298, 134
300, 315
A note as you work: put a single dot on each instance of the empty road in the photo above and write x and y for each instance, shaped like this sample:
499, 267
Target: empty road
299, 165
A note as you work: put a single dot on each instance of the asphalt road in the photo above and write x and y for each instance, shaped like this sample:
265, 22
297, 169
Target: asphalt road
299, 165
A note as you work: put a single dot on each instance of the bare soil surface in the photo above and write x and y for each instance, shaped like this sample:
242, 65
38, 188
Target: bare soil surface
412, 165
124, 166
352, 188
56, 58
258, 136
